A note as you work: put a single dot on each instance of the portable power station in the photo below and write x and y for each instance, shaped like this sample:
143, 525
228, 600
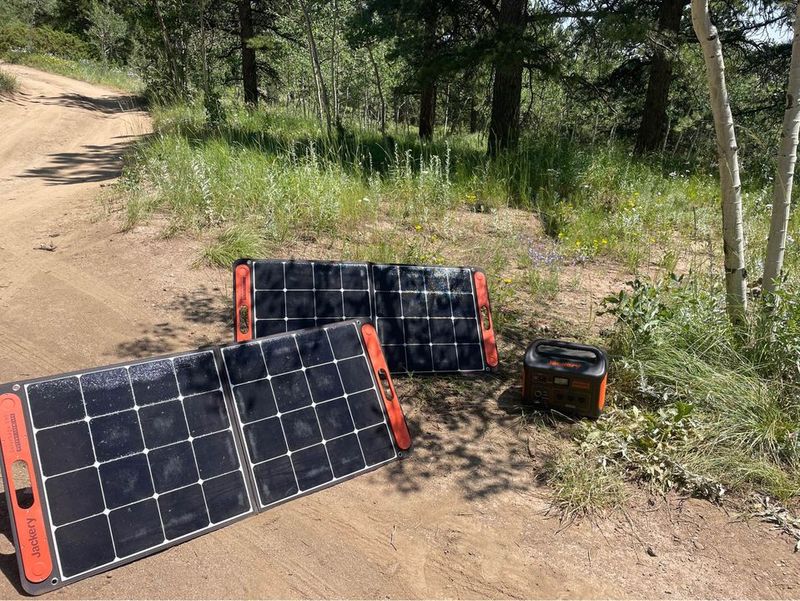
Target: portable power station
565, 376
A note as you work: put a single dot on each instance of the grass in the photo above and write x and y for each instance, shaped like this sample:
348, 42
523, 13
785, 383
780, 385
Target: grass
582, 485
8, 83
700, 407
87, 70
276, 167
694, 405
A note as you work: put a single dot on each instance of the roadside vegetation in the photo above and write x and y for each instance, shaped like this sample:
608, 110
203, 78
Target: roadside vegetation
8, 83
64, 54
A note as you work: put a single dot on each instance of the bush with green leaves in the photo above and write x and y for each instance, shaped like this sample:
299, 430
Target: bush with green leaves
673, 348
19, 38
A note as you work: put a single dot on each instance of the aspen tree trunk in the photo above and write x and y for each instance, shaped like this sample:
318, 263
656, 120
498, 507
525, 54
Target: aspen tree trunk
319, 82
784, 177
733, 236
173, 65
334, 84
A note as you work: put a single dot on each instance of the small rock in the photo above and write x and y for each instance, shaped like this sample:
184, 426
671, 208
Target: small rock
651, 552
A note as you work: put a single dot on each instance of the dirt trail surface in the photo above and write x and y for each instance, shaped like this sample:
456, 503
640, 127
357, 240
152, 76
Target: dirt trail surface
463, 517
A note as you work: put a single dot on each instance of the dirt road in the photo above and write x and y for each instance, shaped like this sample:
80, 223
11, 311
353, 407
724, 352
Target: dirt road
462, 517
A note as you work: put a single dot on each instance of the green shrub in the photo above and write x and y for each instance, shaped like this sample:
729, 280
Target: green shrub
21, 38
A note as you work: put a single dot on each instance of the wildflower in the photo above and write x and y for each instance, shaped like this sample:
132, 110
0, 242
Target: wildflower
507, 280
418, 227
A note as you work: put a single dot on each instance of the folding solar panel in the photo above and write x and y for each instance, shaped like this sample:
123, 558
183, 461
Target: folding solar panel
310, 410
429, 319
127, 460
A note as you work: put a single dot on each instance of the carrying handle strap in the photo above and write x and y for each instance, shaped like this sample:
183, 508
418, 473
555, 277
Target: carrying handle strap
34, 548
485, 319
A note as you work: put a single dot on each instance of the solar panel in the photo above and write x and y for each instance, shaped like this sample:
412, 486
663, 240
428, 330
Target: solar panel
429, 319
310, 410
127, 460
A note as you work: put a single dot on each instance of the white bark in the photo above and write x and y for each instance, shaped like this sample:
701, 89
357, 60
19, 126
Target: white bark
784, 177
732, 231
319, 81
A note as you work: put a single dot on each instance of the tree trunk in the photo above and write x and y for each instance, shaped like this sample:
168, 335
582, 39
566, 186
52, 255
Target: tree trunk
319, 82
427, 111
380, 89
507, 87
784, 176
249, 74
334, 85
170, 55
732, 231
427, 100
652, 129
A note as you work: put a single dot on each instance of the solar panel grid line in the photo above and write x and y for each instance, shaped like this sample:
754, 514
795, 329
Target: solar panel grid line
252, 491
102, 492
314, 404
296, 410
98, 463
283, 321
350, 410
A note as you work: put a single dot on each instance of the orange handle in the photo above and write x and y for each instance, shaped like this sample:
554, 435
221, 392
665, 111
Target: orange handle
485, 317
34, 548
396, 419
243, 316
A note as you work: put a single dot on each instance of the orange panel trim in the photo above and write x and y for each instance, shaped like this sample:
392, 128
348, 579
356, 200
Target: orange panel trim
397, 420
34, 548
243, 315
489, 342
602, 400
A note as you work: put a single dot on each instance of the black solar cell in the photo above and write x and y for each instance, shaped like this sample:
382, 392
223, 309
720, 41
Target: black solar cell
429, 319
134, 458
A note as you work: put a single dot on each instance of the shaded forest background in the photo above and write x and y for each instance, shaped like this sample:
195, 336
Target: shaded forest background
624, 70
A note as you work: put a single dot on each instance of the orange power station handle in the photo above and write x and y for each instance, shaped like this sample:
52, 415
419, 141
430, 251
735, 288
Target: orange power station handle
34, 548
485, 317
382, 377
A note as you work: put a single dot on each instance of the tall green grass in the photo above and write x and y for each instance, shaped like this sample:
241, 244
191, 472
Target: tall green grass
276, 170
673, 346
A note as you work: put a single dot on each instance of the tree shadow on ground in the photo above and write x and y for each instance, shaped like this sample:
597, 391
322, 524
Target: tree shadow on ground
109, 105
200, 306
474, 430
93, 163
